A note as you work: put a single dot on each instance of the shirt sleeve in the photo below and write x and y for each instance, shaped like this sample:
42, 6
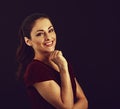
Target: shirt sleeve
37, 72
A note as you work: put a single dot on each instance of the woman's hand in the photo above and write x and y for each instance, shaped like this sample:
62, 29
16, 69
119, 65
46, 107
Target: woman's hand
57, 57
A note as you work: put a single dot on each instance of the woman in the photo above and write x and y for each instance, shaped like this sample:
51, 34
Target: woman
49, 78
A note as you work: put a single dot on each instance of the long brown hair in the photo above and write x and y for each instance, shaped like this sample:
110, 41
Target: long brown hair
25, 53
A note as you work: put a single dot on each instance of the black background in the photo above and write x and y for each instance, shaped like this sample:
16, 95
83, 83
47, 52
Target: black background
88, 34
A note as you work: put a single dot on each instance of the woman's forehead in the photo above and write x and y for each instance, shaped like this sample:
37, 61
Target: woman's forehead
41, 25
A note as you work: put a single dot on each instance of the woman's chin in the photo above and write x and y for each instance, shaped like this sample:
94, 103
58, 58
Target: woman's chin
49, 51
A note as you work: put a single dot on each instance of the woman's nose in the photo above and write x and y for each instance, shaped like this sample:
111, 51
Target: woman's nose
47, 36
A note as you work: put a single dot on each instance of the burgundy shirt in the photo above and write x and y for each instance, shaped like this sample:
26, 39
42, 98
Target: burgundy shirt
37, 71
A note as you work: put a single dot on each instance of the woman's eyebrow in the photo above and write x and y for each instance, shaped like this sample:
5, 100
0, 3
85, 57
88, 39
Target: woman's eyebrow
50, 27
40, 30
43, 30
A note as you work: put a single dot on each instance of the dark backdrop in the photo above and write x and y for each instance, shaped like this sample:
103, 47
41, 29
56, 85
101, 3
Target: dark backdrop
88, 34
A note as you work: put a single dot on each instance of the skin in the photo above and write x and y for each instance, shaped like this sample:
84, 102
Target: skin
43, 38
43, 41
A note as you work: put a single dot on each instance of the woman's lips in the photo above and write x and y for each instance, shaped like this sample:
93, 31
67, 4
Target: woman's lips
48, 44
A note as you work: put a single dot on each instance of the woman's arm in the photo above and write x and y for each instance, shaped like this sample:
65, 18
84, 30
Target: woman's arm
59, 97
82, 102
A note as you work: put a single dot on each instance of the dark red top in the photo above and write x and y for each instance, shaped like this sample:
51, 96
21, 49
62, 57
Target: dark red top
37, 71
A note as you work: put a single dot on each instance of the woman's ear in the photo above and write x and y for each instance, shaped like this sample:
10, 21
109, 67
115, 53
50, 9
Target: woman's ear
27, 41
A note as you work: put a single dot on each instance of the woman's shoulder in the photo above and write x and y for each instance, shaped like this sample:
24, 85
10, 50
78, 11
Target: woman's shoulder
37, 72
36, 64
36, 67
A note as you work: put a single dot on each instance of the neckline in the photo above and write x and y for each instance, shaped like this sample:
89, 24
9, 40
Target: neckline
45, 65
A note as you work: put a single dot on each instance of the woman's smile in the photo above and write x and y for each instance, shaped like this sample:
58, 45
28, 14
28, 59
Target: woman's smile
50, 43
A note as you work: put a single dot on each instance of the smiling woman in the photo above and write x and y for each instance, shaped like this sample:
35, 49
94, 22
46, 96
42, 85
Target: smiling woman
49, 79
43, 38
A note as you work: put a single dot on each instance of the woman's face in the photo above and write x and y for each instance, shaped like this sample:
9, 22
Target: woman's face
43, 36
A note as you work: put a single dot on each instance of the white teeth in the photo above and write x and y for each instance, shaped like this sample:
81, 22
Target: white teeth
48, 43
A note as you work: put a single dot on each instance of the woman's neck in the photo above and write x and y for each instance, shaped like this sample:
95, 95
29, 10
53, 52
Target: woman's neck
45, 59
42, 57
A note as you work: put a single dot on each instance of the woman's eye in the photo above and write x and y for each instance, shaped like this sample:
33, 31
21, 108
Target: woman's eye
40, 34
51, 30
